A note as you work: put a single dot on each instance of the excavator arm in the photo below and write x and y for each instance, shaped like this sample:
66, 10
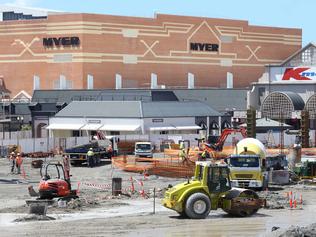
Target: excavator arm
218, 146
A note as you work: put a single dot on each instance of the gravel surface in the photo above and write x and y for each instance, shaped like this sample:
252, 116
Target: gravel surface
97, 213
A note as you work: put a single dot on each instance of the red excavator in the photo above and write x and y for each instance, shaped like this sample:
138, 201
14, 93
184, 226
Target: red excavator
218, 146
55, 183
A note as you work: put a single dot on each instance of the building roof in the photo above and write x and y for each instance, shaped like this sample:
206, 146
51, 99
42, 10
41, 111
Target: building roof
268, 123
219, 99
98, 109
136, 109
66, 96
177, 109
302, 50
297, 100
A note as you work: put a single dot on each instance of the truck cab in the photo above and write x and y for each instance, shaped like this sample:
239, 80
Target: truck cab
246, 171
144, 149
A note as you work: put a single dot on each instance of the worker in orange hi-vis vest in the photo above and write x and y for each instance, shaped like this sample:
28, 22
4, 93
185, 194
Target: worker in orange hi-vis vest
18, 162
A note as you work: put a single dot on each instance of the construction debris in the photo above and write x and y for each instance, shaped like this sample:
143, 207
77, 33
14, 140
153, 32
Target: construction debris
297, 231
34, 217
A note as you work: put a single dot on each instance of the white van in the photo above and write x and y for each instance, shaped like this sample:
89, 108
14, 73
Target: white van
144, 149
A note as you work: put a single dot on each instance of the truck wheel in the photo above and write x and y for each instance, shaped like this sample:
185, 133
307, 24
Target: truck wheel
198, 206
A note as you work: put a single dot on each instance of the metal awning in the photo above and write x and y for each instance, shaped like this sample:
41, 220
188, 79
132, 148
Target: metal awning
169, 128
65, 126
92, 126
119, 127
192, 127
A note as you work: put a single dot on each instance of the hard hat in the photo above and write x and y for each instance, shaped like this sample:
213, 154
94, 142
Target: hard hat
90, 148
18, 154
12, 153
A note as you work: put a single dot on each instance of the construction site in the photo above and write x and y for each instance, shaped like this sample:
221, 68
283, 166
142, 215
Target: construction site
126, 194
176, 126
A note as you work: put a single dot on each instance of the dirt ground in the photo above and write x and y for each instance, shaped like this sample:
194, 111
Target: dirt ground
98, 213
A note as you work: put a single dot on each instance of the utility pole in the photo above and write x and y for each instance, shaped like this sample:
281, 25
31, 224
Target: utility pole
251, 123
305, 128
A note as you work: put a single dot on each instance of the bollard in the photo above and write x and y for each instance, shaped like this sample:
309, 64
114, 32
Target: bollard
301, 201
116, 186
142, 192
154, 208
78, 189
132, 185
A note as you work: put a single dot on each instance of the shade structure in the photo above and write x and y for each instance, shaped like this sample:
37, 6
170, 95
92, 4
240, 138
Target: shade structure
166, 128
190, 127
65, 126
92, 126
120, 127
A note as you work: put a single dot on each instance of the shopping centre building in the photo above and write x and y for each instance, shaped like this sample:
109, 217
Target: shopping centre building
91, 51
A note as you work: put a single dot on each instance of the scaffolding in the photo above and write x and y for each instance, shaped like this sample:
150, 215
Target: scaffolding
281, 104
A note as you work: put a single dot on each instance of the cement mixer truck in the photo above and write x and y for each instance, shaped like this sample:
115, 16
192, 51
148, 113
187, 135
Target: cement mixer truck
247, 165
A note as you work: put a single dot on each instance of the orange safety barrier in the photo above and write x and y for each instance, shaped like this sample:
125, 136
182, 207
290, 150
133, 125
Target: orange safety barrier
168, 167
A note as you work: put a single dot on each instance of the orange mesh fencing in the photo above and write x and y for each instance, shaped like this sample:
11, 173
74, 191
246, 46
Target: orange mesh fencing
167, 167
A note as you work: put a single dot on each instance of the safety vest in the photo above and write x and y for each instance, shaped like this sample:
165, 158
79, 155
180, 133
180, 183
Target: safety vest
182, 154
90, 153
19, 160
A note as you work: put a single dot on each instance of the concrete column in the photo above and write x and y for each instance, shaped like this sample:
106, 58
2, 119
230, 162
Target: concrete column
219, 125
90, 82
190, 80
154, 81
62, 82
36, 83
207, 127
118, 81
230, 80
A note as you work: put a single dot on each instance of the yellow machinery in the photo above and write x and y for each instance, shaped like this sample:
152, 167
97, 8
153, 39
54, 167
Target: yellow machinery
247, 165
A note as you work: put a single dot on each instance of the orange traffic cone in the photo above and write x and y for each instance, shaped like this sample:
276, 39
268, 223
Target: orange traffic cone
301, 202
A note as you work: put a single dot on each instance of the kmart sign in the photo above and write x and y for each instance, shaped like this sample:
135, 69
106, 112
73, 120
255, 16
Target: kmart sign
293, 74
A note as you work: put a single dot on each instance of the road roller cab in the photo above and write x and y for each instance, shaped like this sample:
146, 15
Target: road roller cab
208, 190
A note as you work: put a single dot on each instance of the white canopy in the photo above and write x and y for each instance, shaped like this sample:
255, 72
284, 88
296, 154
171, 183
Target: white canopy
119, 127
170, 128
64, 126
162, 128
192, 127
92, 126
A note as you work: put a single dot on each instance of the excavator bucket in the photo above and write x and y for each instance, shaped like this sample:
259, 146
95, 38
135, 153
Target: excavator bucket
241, 202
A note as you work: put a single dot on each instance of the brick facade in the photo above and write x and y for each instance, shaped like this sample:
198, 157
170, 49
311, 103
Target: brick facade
136, 47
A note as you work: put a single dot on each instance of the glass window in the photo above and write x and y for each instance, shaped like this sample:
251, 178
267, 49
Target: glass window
244, 161
143, 146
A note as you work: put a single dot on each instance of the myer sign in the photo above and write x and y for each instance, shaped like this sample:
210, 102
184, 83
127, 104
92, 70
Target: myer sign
293, 74
204, 47
61, 41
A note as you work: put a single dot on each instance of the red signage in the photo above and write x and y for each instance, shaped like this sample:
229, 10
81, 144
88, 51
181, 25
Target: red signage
297, 74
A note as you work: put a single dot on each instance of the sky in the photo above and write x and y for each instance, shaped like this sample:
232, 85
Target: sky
278, 13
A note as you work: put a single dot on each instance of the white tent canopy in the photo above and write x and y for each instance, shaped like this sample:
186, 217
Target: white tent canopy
92, 126
65, 126
171, 128
192, 127
119, 127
